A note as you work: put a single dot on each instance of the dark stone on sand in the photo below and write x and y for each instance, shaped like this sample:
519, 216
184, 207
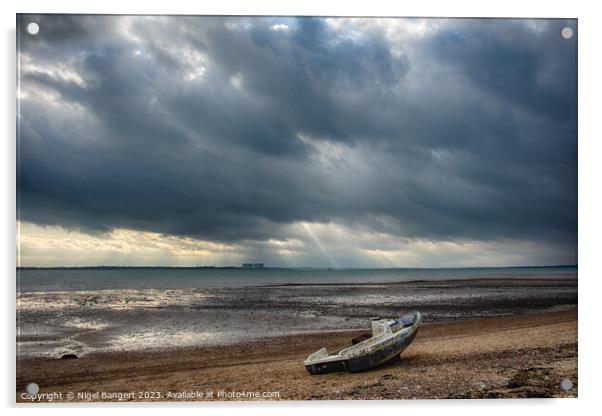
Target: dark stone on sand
68, 356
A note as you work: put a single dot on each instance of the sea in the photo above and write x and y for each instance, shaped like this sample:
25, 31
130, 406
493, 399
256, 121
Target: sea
100, 278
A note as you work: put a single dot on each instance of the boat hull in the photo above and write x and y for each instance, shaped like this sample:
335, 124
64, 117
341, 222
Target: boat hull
369, 357
328, 367
380, 356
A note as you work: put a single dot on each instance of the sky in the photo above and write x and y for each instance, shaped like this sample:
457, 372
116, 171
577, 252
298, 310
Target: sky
323, 142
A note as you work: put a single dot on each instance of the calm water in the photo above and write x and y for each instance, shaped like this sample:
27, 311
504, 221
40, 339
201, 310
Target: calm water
34, 280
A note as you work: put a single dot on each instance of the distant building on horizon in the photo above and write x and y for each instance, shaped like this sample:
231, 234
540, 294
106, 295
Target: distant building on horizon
252, 265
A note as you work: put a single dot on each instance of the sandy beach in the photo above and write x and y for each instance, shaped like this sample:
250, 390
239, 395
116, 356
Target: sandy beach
516, 356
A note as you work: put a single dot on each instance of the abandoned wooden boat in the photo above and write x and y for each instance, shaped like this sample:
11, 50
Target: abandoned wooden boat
389, 338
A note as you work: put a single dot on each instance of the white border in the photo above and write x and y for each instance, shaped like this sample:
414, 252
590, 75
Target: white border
590, 207
458, 8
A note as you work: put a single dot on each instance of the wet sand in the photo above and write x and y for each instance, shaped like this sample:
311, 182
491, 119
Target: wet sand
496, 357
51, 324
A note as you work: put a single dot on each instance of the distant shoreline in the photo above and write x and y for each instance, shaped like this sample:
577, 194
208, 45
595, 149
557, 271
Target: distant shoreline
562, 266
466, 282
479, 279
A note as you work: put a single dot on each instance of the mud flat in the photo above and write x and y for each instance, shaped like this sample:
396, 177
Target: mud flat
520, 356
54, 323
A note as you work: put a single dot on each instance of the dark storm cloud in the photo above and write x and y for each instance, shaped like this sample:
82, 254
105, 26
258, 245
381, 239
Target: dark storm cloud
57, 29
218, 128
531, 70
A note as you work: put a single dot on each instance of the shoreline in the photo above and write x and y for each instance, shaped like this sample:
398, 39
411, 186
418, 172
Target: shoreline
527, 278
510, 356
567, 278
558, 266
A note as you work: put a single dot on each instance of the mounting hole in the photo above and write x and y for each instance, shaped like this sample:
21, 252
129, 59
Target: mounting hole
32, 388
566, 384
33, 28
566, 32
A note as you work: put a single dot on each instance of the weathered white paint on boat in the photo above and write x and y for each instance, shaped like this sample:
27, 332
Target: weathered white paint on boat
389, 338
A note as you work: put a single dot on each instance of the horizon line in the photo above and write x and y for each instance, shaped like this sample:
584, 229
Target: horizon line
297, 267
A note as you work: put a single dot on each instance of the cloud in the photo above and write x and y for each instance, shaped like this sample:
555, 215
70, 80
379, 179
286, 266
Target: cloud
224, 129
